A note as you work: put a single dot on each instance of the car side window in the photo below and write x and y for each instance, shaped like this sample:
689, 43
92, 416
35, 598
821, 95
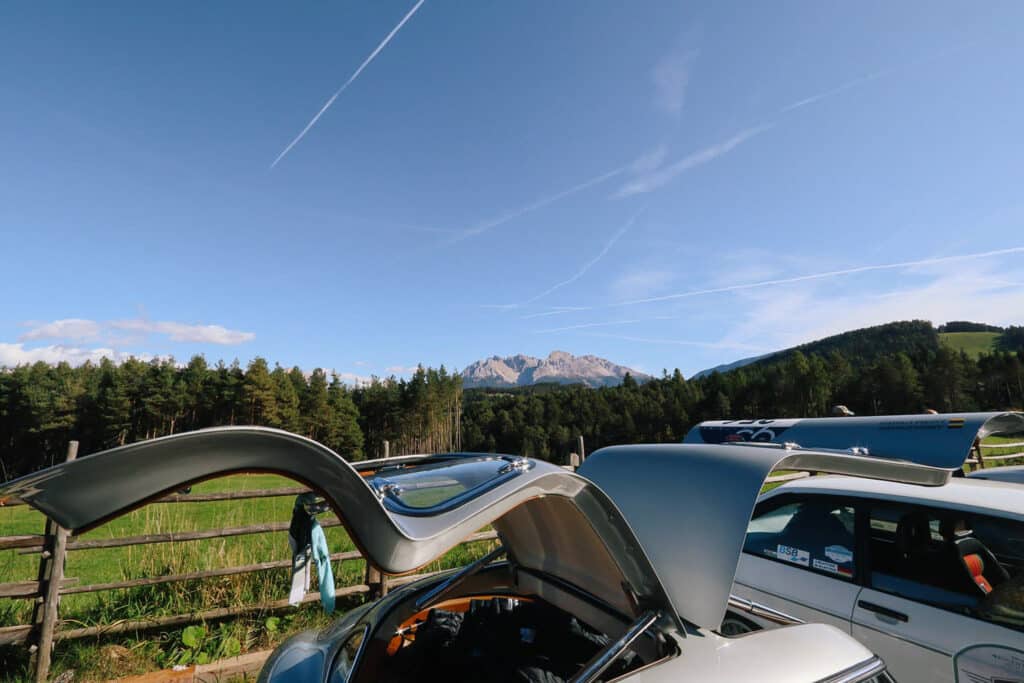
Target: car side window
962, 562
809, 531
346, 657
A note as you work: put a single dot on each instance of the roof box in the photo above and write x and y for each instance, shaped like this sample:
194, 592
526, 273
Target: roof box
943, 440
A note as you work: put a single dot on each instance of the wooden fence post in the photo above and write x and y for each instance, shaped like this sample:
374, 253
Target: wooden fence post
387, 448
377, 581
51, 575
582, 453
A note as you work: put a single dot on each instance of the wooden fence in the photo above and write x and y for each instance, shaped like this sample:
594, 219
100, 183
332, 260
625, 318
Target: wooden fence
54, 543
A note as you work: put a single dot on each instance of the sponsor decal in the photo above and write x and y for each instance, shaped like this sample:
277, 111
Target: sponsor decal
831, 567
741, 433
924, 423
794, 555
825, 566
839, 553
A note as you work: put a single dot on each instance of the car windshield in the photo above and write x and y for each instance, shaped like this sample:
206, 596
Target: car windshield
439, 486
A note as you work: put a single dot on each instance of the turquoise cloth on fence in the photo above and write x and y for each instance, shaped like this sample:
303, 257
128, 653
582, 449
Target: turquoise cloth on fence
323, 566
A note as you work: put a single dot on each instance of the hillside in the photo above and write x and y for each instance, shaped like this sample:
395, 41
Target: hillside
859, 347
973, 343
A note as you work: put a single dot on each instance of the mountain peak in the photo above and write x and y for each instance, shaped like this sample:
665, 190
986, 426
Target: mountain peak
560, 367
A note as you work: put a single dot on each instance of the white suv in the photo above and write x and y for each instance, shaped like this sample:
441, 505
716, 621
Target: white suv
930, 579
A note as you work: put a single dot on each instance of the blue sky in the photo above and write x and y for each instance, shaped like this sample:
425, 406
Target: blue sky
664, 184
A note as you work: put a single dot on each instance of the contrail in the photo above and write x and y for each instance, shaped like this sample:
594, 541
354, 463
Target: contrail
556, 310
838, 89
589, 264
677, 342
610, 323
873, 76
824, 275
539, 204
353, 77
660, 177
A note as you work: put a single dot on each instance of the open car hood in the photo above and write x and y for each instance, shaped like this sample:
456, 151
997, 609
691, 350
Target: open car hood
690, 504
549, 520
936, 440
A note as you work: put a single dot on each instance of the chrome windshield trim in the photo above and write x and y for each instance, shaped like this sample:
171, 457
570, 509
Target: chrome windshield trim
859, 672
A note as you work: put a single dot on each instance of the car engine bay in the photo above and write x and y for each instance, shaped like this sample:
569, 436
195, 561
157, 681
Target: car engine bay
496, 640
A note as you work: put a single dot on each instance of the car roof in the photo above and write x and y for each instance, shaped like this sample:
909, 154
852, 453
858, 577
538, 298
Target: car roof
981, 495
1006, 473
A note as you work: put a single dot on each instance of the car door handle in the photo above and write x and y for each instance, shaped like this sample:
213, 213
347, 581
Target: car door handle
884, 611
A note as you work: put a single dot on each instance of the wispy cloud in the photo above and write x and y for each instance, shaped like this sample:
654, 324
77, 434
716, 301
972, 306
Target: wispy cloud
16, 354
76, 329
640, 283
679, 342
794, 316
609, 323
351, 79
401, 369
80, 330
664, 175
589, 264
899, 265
671, 77
492, 223
352, 379
183, 332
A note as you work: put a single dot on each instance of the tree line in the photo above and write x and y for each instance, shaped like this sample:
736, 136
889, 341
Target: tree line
895, 368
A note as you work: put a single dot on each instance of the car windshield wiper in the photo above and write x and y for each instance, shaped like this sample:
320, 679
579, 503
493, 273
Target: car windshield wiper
446, 586
613, 650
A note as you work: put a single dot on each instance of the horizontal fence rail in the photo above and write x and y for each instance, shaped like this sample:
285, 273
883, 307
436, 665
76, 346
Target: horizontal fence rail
202, 497
1018, 444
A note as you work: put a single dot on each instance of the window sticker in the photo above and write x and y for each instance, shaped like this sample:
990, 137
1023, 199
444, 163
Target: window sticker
794, 555
839, 554
831, 567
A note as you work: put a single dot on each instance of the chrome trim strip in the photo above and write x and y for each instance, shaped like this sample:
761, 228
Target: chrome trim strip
610, 652
859, 672
763, 611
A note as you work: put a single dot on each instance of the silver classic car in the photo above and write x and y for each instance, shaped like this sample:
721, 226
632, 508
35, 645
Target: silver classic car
621, 570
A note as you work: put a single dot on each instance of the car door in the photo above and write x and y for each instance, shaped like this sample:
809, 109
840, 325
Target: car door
799, 558
921, 610
401, 513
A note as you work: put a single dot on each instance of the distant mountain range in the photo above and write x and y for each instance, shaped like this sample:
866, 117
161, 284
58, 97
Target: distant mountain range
559, 368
